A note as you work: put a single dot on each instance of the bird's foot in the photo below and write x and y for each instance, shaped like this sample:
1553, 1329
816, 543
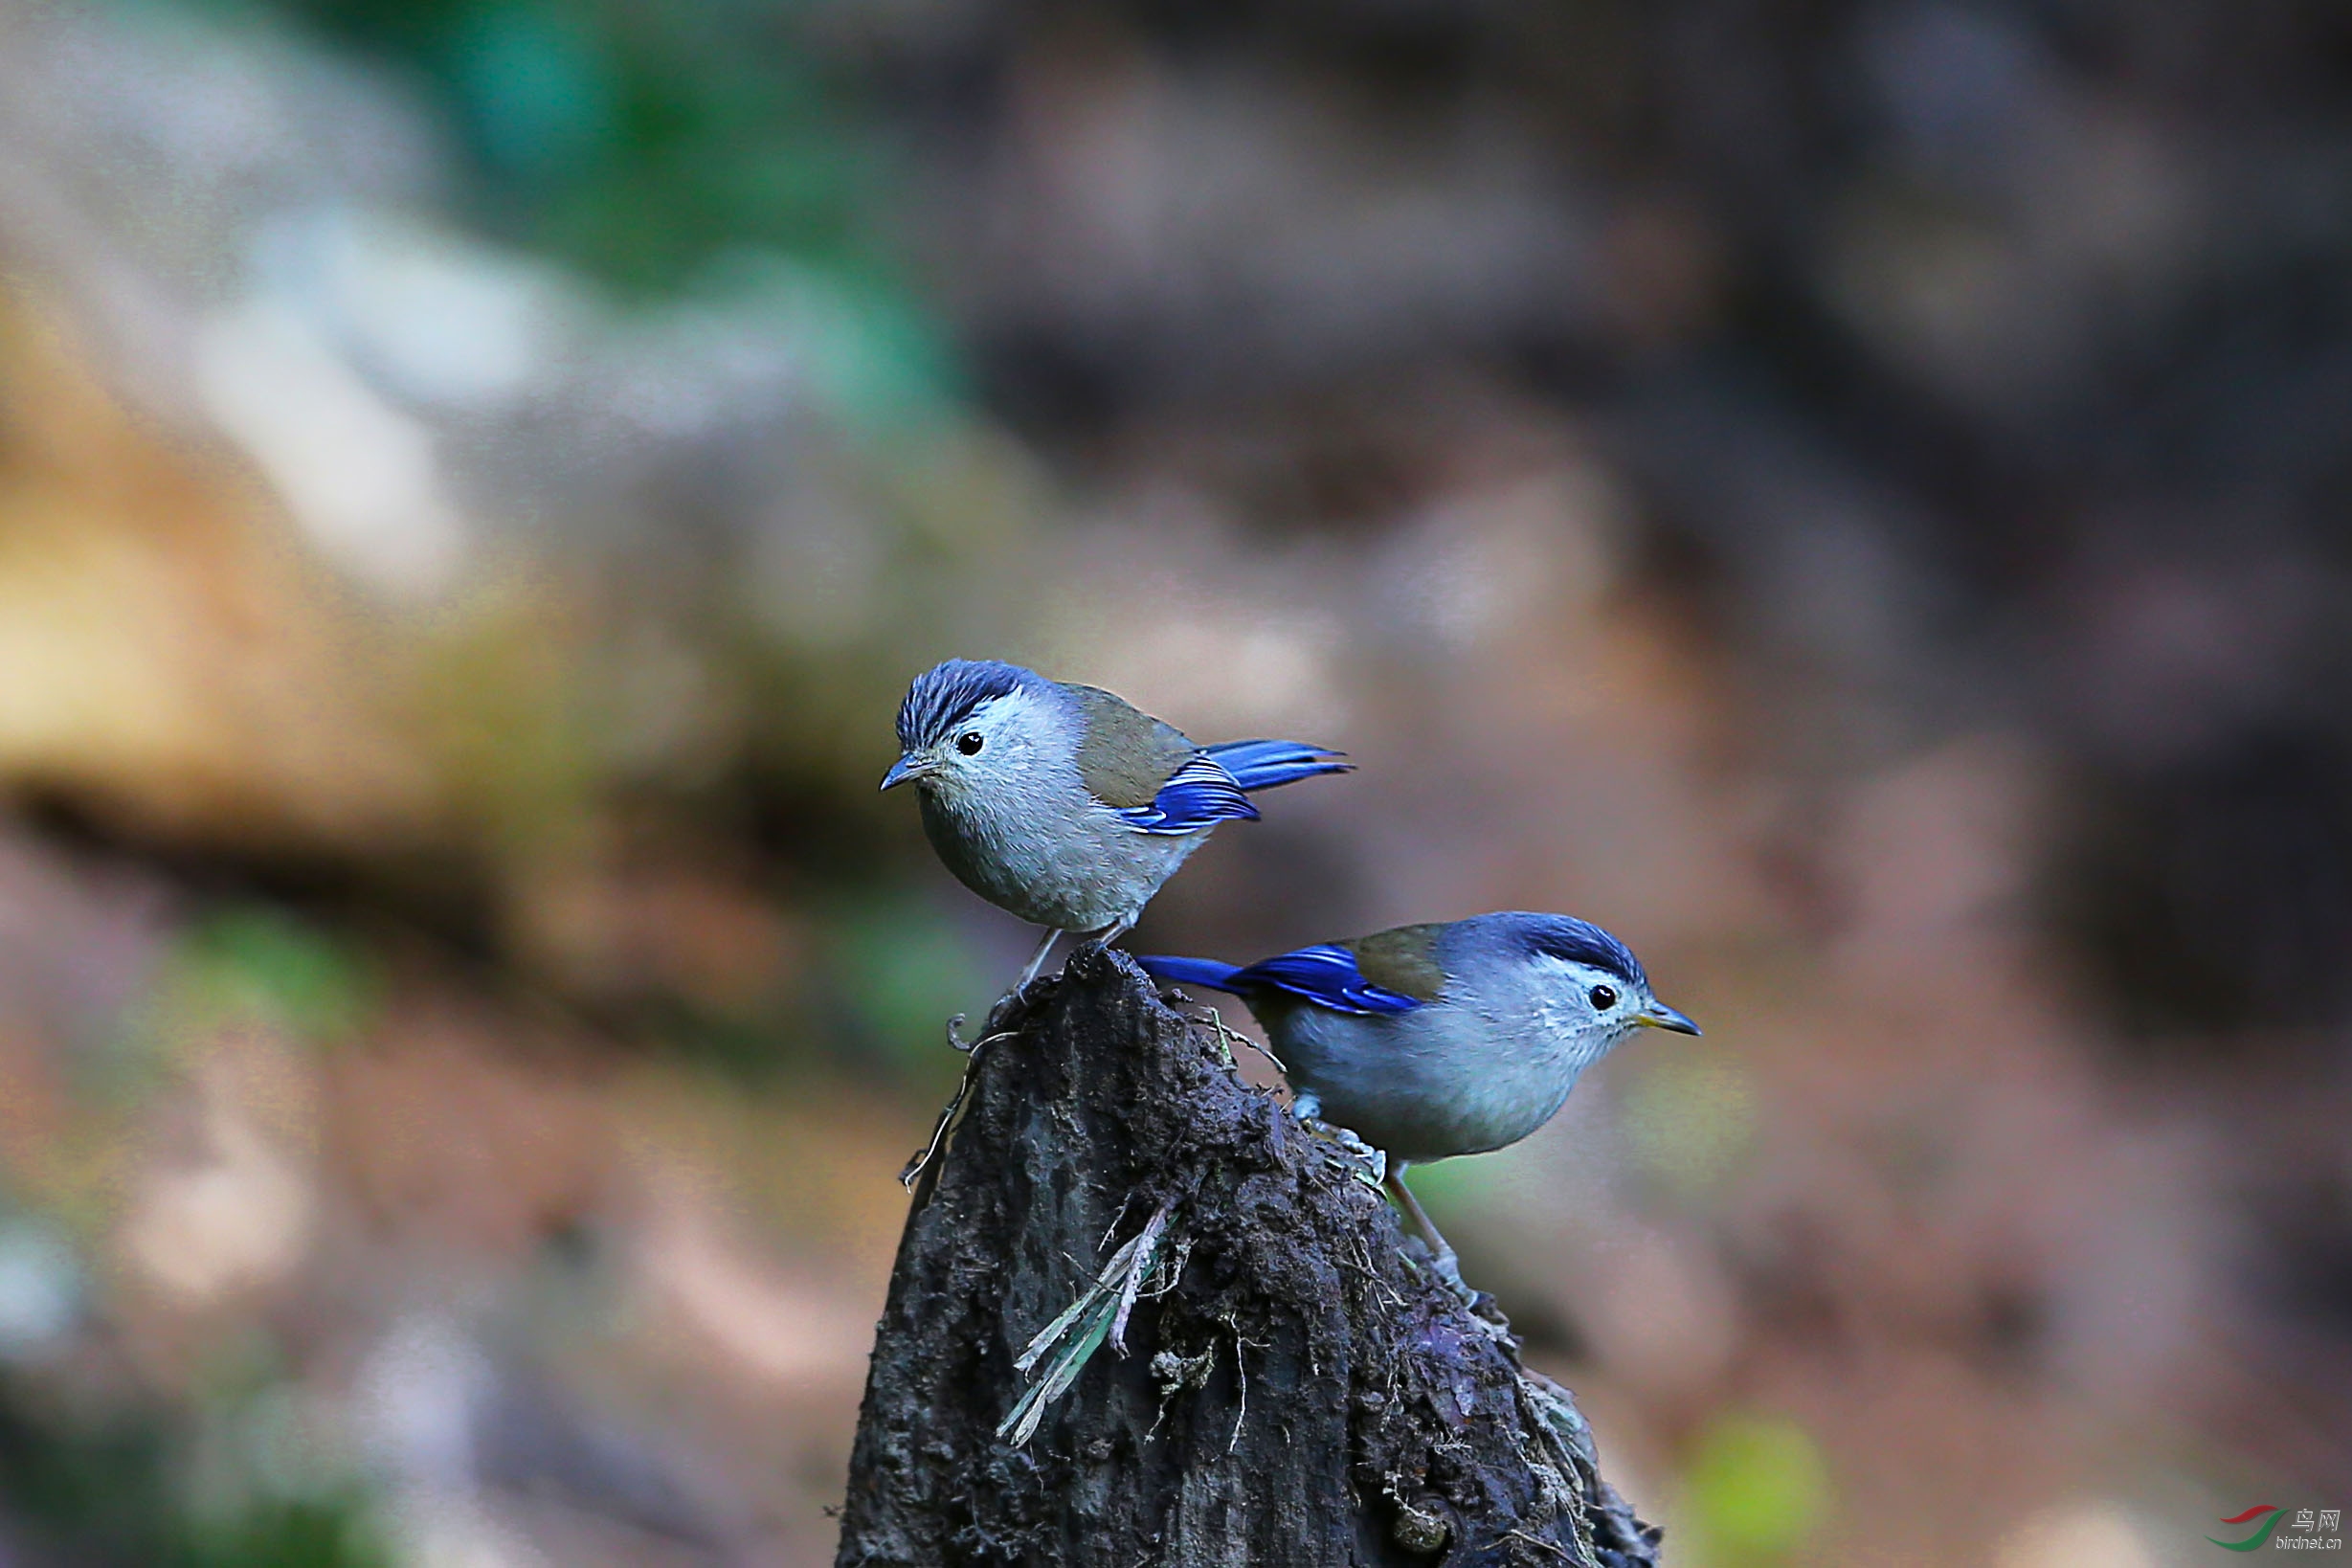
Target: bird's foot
1447, 1267
1481, 1308
1009, 1006
1442, 1262
1098, 942
1001, 1009
1350, 1152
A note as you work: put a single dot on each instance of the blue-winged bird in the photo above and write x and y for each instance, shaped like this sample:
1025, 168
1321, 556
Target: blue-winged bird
1428, 1042
1062, 803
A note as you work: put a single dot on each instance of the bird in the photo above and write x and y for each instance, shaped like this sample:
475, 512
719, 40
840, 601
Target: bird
1062, 803
1435, 1041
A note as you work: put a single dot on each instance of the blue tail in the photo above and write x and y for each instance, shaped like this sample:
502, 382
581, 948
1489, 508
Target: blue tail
1265, 764
1207, 972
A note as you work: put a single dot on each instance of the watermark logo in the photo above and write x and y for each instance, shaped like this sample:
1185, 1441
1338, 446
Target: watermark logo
2308, 1531
2267, 1513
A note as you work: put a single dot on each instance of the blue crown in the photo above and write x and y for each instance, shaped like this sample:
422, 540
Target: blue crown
944, 696
1579, 942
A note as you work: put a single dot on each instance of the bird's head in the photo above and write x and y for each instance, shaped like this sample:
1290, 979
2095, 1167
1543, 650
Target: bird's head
972, 723
1588, 980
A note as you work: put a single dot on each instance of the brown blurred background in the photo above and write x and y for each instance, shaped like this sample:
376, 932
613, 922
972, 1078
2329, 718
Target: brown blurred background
1851, 496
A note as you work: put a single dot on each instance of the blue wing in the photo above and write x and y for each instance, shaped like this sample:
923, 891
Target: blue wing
1266, 763
1325, 975
1202, 972
1196, 795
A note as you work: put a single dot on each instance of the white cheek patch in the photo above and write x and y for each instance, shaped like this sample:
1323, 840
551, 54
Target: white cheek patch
1564, 985
1011, 725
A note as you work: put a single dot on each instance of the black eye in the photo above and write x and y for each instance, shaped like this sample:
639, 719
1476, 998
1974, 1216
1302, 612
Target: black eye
1603, 998
970, 743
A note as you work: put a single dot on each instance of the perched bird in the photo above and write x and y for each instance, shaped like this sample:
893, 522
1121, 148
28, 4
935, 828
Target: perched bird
1064, 804
1430, 1042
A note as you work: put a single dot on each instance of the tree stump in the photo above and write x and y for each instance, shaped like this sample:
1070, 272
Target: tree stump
1296, 1387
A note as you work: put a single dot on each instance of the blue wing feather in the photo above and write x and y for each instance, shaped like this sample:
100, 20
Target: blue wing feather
1203, 972
1197, 795
1214, 785
1325, 975
1269, 764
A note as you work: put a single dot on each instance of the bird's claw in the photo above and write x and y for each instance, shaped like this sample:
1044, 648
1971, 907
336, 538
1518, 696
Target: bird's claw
1351, 1154
1480, 1306
1006, 1005
1422, 1258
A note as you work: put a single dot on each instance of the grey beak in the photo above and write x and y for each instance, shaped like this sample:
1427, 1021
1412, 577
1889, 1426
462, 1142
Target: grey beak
903, 769
1658, 1015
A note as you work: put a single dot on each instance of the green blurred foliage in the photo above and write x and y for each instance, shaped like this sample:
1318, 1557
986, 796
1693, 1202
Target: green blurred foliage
1455, 1187
1755, 1493
902, 971
639, 141
116, 1490
250, 963
285, 1532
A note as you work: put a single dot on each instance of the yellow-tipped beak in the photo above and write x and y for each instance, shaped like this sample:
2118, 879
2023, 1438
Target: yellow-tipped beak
1658, 1015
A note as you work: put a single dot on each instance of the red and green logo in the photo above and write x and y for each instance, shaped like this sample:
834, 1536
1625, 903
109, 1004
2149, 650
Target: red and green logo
2267, 1513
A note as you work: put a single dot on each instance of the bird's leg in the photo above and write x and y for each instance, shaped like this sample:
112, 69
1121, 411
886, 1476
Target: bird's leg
1111, 932
1036, 961
1442, 1255
1021, 987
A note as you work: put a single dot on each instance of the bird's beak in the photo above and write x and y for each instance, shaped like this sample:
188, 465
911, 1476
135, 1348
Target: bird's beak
1658, 1015
905, 768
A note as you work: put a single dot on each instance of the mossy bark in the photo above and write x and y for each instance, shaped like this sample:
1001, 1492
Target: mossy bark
1295, 1391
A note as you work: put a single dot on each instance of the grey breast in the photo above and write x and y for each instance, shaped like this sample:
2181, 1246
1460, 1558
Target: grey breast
1053, 851
1476, 1068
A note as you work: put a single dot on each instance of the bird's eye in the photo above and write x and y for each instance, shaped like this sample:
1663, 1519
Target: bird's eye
970, 743
1603, 998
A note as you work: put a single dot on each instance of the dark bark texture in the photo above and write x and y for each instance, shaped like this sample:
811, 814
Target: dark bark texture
1295, 1388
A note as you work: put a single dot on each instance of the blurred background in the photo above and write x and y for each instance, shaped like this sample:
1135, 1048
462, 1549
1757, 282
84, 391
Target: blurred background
1852, 496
